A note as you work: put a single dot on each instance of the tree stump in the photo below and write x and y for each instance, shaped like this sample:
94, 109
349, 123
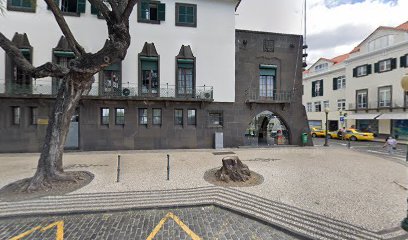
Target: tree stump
233, 169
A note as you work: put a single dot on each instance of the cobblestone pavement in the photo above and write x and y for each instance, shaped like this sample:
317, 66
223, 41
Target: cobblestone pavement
207, 222
370, 147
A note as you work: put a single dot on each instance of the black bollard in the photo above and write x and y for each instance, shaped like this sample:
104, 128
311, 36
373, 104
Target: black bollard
117, 176
168, 167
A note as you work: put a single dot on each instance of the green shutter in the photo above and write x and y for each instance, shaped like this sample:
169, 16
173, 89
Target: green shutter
267, 66
267, 72
113, 67
185, 60
149, 65
161, 12
185, 65
94, 10
27, 3
81, 6
66, 54
56, 3
143, 9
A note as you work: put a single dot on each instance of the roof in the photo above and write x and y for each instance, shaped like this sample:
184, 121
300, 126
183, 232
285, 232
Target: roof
403, 26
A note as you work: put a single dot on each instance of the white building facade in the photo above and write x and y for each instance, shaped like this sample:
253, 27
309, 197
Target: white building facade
207, 27
373, 97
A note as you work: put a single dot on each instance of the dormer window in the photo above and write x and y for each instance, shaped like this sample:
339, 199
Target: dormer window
381, 42
321, 67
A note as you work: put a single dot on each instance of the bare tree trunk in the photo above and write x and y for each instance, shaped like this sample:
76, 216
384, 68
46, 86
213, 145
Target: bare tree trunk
50, 166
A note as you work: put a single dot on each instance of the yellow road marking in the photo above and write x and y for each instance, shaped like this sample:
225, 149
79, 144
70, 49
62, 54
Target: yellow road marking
178, 221
25, 233
59, 235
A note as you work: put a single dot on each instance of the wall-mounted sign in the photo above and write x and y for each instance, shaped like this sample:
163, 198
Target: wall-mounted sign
42, 121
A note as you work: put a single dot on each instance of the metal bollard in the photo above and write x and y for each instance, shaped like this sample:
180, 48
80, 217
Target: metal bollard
117, 176
168, 167
349, 143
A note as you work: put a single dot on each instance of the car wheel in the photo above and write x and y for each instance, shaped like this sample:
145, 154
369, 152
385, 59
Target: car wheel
353, 138
314, 135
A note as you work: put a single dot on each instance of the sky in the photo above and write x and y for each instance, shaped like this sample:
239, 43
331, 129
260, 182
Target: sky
334, 27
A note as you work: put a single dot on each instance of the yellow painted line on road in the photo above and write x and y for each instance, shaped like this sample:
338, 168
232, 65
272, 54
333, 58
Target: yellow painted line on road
24, 234
59, 235
178, 221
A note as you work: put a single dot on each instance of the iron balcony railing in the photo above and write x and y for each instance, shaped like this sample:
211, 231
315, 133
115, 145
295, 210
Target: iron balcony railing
275, 96
127, 91
395, 104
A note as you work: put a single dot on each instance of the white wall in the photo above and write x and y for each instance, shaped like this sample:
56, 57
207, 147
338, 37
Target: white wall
212, 41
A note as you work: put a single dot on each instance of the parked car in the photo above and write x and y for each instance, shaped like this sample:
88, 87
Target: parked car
354, 135
333, 134
318, 132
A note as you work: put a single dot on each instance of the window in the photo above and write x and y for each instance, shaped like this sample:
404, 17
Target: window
321, 67
191, 117
157, 116
16, 115
384, 96
72, 7
151, 11
21, 5
380, 43
110, 80
326, 104
120, 116
143, 116
362, 98
178, 117
62, 58
150, 76
105, 116
341, 104
309, 107
362, 70
186, 15
385, 65
34, 115
185, 77
339, 82
317, 107
317, 88
216, 119
267, 82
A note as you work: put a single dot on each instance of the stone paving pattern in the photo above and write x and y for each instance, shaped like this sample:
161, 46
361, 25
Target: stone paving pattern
207, 222
335, 182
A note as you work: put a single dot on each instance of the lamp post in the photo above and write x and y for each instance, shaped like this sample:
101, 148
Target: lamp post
404, 85
326, 111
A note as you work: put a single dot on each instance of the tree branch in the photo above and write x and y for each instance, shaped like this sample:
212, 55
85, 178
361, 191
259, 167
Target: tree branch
128, 10
115, 9
102, 8
46, 70
78, 49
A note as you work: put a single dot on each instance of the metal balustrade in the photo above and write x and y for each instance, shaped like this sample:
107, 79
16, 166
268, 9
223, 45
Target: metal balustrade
395, 104
126, 91
275, 96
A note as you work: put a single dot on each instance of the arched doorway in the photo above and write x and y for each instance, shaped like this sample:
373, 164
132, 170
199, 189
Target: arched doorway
266, 129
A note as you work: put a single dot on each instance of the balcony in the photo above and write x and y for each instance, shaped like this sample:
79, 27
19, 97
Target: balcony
375, 105
275, 96
128, 91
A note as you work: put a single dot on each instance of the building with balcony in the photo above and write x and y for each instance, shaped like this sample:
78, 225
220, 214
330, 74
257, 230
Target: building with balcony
362, 88
188, 74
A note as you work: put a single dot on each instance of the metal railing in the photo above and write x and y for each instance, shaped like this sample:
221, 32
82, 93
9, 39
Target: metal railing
275, 96
126, 91
395, 104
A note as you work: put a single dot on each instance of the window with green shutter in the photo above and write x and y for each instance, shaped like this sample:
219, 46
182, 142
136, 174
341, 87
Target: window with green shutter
186, 15
151, 11
71, 7
21, 5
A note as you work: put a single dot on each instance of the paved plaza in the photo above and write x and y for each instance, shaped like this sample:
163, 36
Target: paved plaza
316, 192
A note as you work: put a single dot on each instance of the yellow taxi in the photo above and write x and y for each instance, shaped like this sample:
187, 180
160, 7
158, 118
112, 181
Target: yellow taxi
318, 132
354, 135
333, 134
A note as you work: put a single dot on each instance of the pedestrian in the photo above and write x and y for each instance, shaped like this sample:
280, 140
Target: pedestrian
391, 145
343, 133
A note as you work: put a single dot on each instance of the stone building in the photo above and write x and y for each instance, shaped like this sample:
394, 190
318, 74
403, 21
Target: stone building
183, 80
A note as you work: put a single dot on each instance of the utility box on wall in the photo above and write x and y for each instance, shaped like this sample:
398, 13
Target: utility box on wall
219, 140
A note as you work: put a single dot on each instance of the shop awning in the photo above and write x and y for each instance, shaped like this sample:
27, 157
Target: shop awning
396, 116
361, 116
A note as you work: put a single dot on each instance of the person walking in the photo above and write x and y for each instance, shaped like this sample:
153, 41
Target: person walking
391, 144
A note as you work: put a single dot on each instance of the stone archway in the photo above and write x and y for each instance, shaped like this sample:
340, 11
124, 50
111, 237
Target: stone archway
267, 129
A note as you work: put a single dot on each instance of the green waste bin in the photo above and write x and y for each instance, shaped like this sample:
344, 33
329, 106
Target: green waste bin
304, 138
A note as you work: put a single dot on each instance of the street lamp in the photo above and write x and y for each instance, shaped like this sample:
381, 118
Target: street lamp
326, 111
404, 85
